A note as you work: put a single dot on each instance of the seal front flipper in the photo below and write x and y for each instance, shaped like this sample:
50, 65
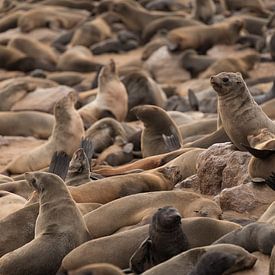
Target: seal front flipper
59, 164
193, 100
259, 153
87, 146
270, 181
141, 257
172, 142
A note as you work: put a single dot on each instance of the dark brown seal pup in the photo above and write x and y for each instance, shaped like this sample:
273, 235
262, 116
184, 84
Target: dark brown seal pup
236, 104
29, 123
213, 263
157, 124
202, 38
111, 98
166, 239
67, 133
55, 234
257, 236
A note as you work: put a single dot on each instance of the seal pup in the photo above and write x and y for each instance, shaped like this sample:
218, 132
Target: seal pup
204, 10
166, 239
158, 125
236, 104
213, 263
66, 135
256, 236
185, 262
59, 229
111, 98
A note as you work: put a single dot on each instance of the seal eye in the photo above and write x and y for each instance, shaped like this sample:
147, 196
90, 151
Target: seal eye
225, 79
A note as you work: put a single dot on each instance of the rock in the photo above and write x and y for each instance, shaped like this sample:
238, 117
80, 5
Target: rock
246, 198
42, 100
221, 167
188, 182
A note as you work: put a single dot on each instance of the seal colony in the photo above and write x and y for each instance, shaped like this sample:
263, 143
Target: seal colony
137, 137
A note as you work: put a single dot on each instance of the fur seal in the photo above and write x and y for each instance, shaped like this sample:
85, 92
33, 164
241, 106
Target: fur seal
213, 263
108, 189
136, 208
204, 10
50, 17
91, 33
194, 63
78, 59
202, 38
242, 64
29, 123
157, 124
97, 269
45, 58
103, 132
54, 236
141, 89
106, 102
256, 236
235, 103
184, 262
166, 240
66, 136
268, 108
125, 243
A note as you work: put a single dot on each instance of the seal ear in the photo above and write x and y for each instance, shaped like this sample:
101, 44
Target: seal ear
141, 256
32, 180
258, 153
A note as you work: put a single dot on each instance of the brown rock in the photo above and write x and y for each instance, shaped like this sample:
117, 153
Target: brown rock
246, 198
42, 100
221, 166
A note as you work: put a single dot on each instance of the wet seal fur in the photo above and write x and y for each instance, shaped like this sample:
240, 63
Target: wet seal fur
166, 239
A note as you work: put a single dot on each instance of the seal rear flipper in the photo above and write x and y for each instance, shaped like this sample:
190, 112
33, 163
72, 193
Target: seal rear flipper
141, 256
59, 164
88, 148
258, 153
172, 142
270, 181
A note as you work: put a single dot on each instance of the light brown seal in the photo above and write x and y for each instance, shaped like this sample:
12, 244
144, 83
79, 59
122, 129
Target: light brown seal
204, 10
108, 189
66, 136
29, 123
138, 208
235, 105
202, 38
125, 243
158, 124
55, 235
111, 98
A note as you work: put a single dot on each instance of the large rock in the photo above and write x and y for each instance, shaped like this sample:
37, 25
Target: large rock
246, 198
221, 166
